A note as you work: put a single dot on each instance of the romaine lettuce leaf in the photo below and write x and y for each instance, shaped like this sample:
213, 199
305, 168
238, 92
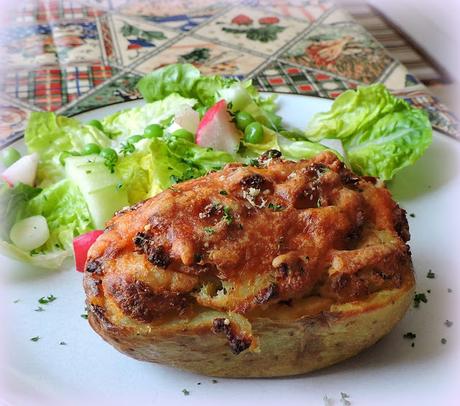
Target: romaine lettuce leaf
380, 133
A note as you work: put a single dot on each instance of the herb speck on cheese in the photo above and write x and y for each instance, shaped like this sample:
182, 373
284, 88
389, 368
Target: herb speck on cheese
410, 335
215, 381
35, 339
62, 343
39, 309
412, 215
185, 392
344, 399
448, 323
443, 341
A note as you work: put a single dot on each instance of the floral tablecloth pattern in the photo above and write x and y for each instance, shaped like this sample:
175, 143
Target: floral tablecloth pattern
71, 56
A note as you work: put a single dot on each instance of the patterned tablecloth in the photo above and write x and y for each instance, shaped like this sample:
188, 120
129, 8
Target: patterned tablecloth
70, 56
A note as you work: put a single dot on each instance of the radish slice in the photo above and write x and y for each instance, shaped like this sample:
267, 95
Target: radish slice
30, 233
188, 119
81, 246
23, 170
216, 130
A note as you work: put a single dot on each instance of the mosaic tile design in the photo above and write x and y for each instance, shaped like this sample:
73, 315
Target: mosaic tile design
253, 29
209, 57
50, 88
120, 89
70, 56
126, 39
284, 78
341, 49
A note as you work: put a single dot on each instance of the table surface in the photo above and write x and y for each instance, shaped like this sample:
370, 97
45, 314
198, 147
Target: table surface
70, 56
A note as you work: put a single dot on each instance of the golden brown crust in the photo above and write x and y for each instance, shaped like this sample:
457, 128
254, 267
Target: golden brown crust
221, 255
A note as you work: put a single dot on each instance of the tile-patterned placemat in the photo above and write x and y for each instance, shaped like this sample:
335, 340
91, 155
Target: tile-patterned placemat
70, 56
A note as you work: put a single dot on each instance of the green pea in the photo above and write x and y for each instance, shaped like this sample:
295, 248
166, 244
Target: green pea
182, 133
153, 131
90, 149
97, 124
109, 154
135, 138
10, 156
243, 119
254, 133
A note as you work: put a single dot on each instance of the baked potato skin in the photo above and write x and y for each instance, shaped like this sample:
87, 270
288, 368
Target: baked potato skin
332, 276
288, 347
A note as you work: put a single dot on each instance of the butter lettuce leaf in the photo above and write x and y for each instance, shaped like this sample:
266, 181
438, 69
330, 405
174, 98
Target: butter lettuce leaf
380, 133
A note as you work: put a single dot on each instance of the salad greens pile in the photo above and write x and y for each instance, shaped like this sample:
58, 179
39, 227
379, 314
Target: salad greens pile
86, 172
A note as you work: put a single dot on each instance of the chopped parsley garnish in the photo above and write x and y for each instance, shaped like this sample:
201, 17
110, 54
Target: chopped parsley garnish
448, 323
443, 341
84, 316
127, 148
198, 383
62, 343
215, 381
275, 207
35, 339
119, 185
430, 274
227, 217
412, 215
39, 309
223, 192
344, 398
47, 299
185, 392
449, 290
410, 336
412, 345
209, 230
419, 297
254, 162
17, 301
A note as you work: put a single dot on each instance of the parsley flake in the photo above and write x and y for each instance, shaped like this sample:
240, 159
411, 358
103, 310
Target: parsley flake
449, 290
275, 207
412, 215
448, 323
215, 381
185, 392
223, 193
430, 274
35, 339
419, 297
443, 341
84, 316
344, 398
17, 301
47, 299
410, 336
127, 148
62, 343
209, 230
39, 309
227, 217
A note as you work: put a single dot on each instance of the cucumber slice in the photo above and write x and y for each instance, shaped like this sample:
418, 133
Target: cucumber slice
102, 190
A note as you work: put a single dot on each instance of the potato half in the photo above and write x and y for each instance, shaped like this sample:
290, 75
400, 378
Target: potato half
270, 270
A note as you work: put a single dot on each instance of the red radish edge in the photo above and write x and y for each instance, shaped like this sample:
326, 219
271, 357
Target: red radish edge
81, 246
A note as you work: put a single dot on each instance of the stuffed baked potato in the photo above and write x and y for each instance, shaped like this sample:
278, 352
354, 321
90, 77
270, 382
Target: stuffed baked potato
277, 268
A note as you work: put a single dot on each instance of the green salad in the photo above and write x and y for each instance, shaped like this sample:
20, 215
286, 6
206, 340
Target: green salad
76, 175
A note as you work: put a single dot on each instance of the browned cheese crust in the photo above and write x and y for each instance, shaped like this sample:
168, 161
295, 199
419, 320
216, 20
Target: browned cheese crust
272, 269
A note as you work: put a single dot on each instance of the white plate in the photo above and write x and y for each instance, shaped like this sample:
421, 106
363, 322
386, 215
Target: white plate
389, 373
